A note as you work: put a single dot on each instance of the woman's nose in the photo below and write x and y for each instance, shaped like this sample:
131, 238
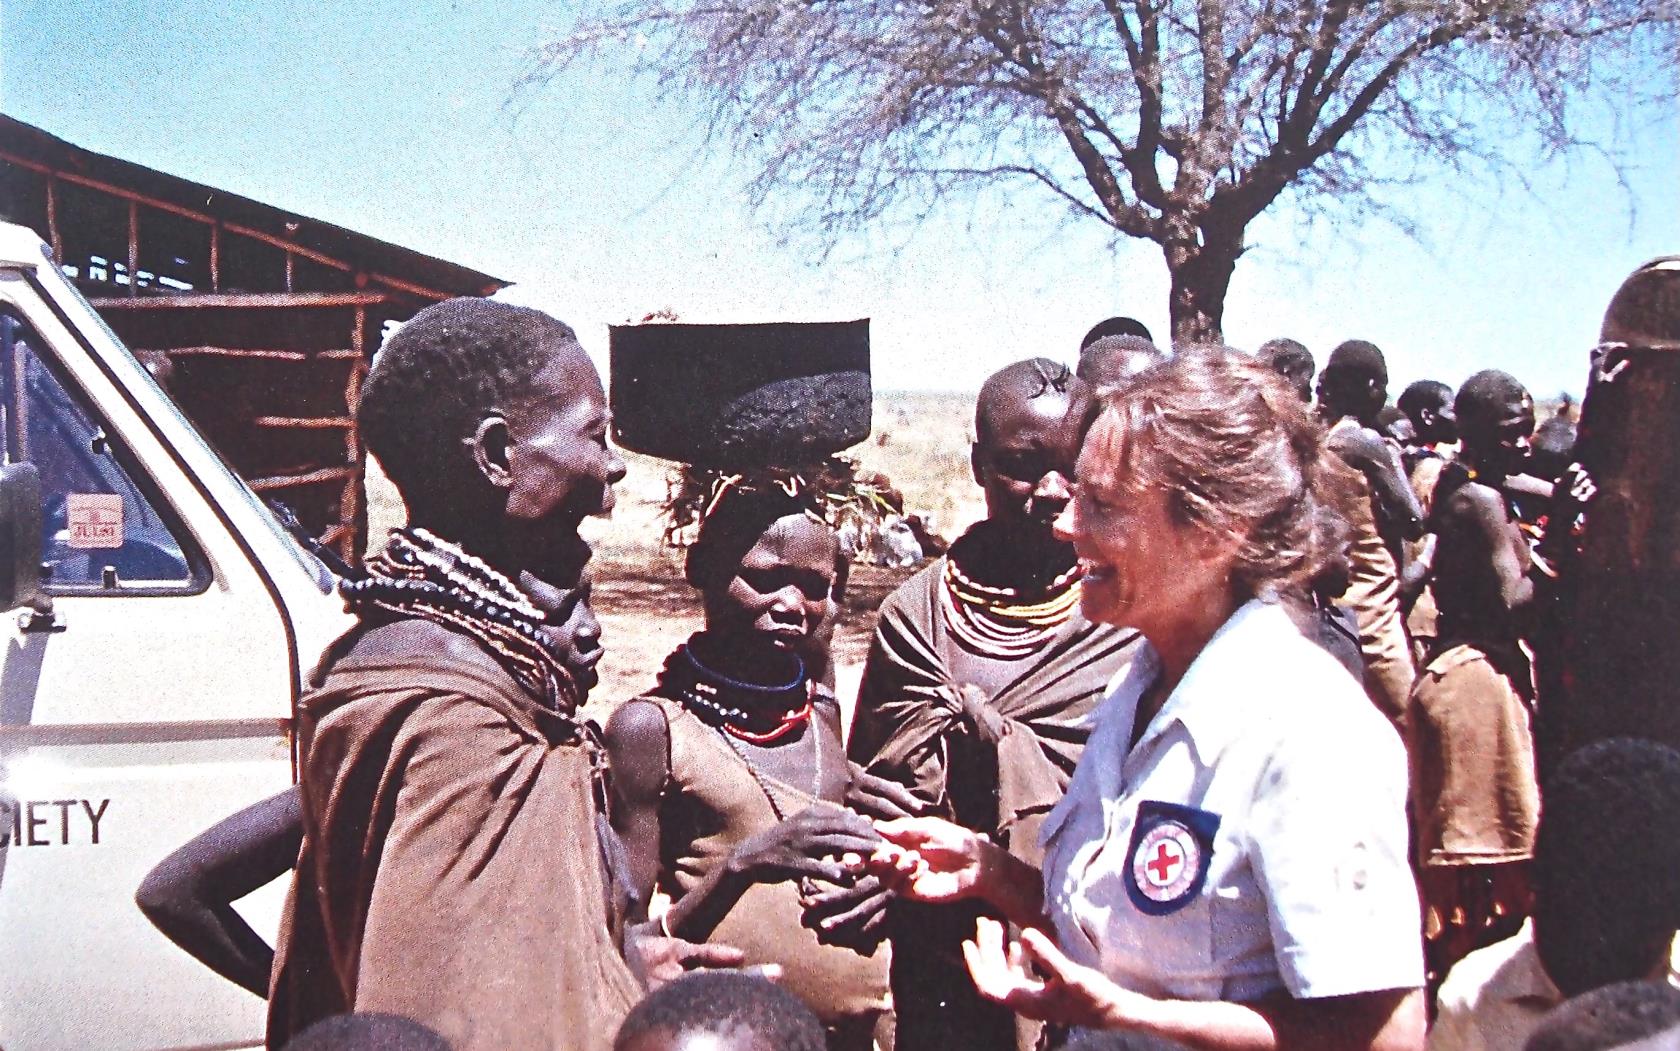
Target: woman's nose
1066, 523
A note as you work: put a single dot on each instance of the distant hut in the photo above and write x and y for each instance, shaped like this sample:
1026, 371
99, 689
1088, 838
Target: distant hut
261, 321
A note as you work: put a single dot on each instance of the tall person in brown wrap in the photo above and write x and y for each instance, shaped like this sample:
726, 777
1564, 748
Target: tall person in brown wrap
1351, 391
1617, 669
981, 679
453, 867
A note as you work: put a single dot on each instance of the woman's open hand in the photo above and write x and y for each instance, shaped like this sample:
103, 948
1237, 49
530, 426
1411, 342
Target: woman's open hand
1033, 978
930, 859
657, 958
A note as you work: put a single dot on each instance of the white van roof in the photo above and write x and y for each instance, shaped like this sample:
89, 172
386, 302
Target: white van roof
20, 246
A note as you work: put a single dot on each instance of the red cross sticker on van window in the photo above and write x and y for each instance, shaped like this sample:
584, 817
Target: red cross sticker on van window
1167, 861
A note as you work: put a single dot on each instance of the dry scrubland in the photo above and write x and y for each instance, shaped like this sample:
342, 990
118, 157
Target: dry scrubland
920, 441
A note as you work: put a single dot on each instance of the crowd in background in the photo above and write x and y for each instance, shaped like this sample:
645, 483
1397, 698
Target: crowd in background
1219, 731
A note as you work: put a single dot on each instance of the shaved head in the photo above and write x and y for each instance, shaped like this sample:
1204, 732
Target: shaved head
1424, 394
1291, 360
1113, 359
1495, 421
1009, 389
1429, 405
1360, 358
1354, 382
1116, 326
1646, 309
1284, 353
1487, 394
1028, 424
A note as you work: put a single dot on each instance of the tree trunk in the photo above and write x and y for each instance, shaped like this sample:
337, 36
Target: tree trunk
1201, 275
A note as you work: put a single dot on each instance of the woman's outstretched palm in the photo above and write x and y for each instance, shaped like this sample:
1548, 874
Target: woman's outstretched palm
932, 859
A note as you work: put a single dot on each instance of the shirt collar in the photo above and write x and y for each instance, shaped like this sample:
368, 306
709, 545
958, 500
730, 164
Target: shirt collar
1521, 979
1214, 700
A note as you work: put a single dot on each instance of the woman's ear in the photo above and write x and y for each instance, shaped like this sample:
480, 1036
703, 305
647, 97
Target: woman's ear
489, 442
1217, 548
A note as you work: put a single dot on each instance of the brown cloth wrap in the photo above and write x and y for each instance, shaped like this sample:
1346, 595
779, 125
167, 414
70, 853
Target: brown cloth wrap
1373, 594
450, 869
907, 719
712, 803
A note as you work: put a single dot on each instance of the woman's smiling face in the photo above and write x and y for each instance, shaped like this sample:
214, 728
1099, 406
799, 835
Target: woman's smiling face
1140, 563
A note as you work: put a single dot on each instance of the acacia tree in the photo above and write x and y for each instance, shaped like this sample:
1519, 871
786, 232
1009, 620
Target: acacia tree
1173, 121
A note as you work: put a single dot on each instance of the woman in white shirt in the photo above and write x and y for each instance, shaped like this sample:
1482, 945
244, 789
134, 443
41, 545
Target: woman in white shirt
1229, 867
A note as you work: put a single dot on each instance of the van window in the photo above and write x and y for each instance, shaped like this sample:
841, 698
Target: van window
100, 533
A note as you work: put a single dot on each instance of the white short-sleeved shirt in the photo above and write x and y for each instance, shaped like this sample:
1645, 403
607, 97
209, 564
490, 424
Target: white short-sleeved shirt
1254, 840
1495, 998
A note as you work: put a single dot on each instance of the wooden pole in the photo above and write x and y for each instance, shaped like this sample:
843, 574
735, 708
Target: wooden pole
53, 237
216, 257
350, 508
133, 248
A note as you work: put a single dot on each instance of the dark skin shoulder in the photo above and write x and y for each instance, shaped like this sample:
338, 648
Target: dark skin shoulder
189, 895
1481, 560
807, 844
638, 743
1367, 451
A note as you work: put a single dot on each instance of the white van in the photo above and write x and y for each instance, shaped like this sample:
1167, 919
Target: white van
160, 626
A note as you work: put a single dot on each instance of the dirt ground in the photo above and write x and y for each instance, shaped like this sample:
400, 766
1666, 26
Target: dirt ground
920, 441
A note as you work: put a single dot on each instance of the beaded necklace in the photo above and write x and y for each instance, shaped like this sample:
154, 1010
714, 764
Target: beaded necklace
424, 576
702, 690
995, 622
707, 692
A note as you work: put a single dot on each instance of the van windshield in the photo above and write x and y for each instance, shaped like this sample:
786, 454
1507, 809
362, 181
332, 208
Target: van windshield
68, 300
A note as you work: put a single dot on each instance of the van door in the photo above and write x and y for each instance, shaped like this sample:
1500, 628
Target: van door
151, 702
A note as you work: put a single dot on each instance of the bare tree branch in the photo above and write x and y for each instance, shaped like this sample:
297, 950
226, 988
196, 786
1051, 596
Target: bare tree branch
1175, 121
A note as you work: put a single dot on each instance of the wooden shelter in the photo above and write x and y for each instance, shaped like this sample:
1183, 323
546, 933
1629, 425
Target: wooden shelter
260, 322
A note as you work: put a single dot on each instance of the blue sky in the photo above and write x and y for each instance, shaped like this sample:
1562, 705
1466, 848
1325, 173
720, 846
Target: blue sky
398, 119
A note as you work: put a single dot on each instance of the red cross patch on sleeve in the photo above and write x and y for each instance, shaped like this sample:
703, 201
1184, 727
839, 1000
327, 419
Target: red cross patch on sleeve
1169, 855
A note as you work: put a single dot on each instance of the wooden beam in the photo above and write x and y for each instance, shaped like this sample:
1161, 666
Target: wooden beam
255, 352
410, 287
321, 423
53, 236
293, 481
195, 301
133, 248
216, 257
105, 187
134, 196
388, 281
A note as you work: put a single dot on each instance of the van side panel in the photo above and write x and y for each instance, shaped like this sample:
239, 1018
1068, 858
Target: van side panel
135, 723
